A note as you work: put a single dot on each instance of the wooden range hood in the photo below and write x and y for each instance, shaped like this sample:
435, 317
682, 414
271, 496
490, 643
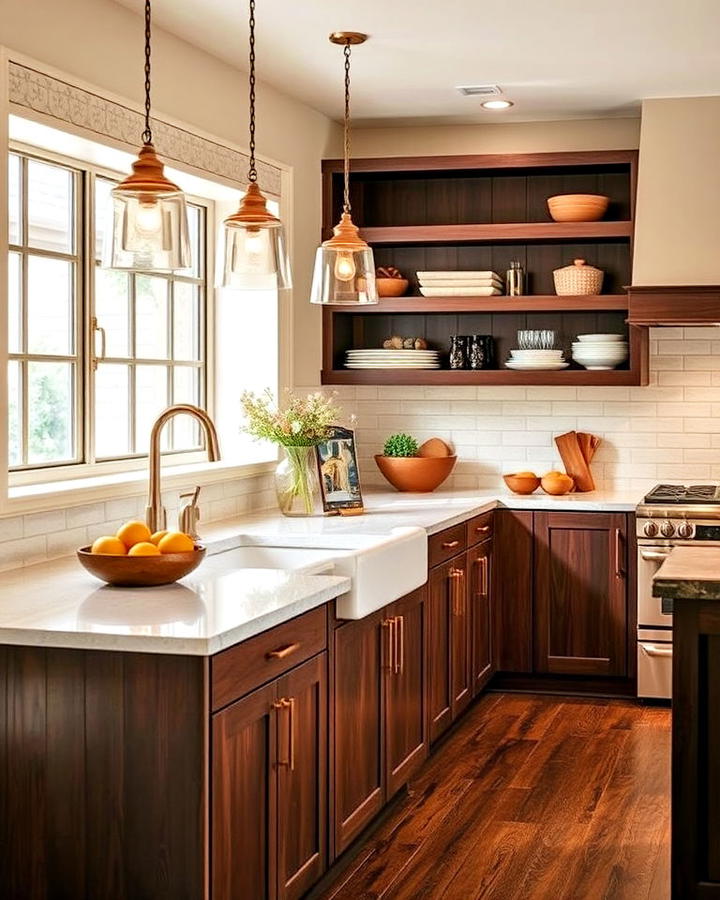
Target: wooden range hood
674, 305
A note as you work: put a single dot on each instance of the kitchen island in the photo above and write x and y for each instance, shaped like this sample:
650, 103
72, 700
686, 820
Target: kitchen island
690, 581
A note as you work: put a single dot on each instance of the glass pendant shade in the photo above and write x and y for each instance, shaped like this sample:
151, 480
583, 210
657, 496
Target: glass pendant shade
149, 229
344, 268
254, 254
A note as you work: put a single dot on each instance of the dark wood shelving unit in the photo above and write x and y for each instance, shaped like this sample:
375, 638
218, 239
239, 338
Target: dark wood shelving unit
479, 213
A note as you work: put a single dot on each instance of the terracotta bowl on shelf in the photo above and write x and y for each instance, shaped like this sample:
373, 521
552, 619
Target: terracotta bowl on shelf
416, 474
522, 484
141, 571
391, 287
578, 207
557, 483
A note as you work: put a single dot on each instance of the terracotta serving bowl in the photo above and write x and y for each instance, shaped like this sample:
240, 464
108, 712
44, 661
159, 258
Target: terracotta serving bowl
522, 484
391, 287
578, 207
418, 474
141, 571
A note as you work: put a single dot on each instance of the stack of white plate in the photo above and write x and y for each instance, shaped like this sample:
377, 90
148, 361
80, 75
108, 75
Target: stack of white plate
392, 359
459, 284
536, 360
600, 351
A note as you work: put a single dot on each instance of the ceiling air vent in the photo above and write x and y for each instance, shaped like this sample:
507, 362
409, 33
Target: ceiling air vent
479, 90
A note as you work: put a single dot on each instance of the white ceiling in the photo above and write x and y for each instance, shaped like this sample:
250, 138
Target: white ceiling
553, 58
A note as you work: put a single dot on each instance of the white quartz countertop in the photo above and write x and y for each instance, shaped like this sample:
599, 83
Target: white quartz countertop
59, 604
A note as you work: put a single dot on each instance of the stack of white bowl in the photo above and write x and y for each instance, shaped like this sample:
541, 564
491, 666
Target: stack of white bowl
536, 360
600, 351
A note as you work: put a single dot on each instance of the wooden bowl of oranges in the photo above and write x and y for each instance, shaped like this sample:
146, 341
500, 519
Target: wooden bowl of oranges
136, 558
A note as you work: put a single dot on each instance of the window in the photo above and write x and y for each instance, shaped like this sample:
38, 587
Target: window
94, 354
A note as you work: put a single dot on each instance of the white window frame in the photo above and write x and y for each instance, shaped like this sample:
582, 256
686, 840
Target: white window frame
85, 336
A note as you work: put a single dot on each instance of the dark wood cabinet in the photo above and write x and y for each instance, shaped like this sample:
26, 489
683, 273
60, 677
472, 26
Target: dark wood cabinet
512, 591
380, 721
361, 649
269, 790
581, 593
406, 743
479, 569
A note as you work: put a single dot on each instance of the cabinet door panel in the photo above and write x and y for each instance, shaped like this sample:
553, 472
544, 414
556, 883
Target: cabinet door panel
512, 590
581, 593
359, 782
244, 798
302, 781
438, 623
479, 568
406, 721
460, 675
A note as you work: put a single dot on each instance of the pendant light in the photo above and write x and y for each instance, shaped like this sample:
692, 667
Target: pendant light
149, 231
254, 255
344, 265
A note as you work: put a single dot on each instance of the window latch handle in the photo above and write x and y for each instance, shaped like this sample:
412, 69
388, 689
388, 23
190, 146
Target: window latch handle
98, 329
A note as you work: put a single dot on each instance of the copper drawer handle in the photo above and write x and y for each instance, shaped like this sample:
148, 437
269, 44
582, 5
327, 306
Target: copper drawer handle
282, 652
482, 561
457, 578
448, 545
388, 626
482, 529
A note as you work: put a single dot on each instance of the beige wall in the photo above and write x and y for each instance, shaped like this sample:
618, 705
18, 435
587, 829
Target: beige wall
520, 137
677, 231
100, 42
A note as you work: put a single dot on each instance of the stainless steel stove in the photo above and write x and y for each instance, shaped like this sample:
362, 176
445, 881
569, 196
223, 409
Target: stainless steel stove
670, 515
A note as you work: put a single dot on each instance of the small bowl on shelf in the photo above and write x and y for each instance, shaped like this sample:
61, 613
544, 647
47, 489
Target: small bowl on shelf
415, 474
141, 571
557, 483
522, 482
578, 207
391, 287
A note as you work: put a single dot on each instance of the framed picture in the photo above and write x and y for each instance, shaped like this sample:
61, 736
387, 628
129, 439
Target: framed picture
338, 472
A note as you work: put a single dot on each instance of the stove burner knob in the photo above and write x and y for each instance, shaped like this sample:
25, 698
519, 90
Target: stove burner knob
667, 529
685, 530
650, 529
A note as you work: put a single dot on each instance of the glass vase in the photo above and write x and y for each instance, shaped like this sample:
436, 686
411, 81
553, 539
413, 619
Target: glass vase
296, 482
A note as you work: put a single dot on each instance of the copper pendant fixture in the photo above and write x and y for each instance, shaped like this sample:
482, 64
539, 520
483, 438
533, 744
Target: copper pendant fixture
344, 265
254, 254
149, 230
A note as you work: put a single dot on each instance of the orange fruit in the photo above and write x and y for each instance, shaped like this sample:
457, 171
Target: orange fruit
157, 537
109, 545
176, 542
143, 548
133, 533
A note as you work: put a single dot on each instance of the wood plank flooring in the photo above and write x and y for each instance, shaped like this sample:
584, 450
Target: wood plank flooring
530, 798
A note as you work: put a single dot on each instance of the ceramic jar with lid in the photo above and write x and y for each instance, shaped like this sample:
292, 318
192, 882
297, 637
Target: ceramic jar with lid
579, 278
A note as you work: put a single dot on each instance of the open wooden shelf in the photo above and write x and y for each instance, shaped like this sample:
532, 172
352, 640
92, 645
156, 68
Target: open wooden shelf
517, 232
616, 377
499, 303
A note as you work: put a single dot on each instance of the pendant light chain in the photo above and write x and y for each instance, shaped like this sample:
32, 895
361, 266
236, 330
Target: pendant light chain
252, 174
147, 133
346, 169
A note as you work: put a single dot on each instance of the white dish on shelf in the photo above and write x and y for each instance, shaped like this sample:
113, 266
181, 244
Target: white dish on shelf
601, 338
388, 350
389, 365
461, 282
461, 292
536, 354
549, 366
455, 275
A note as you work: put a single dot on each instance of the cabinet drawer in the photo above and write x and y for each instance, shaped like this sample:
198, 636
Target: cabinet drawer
446, 544
241, 669
479, 528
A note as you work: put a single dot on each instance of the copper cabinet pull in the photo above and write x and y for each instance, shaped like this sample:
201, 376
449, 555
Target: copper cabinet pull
482, 561
448, 545
619, 572
401, 652
482, 529
457, 579
389, 643
279, 705
291, 729
282, 652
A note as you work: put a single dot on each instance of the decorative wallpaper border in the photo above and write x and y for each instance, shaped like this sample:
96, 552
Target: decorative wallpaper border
66, 103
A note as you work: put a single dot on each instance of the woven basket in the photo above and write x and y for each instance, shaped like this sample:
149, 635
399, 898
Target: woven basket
579, 278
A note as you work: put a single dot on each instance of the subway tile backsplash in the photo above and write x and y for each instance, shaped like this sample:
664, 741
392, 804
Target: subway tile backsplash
669, 429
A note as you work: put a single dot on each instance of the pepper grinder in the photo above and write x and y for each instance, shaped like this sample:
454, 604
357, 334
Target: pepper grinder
515, 279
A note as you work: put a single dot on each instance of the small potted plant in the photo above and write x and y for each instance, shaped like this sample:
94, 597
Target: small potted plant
409, 467
298, 428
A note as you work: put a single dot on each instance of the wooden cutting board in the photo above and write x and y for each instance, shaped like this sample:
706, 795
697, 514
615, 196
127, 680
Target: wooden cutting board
574, 460
588, 444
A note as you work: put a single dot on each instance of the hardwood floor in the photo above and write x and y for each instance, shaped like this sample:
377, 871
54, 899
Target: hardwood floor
530, 798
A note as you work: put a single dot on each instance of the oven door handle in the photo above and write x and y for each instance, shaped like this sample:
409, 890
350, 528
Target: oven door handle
655, 555
652, 650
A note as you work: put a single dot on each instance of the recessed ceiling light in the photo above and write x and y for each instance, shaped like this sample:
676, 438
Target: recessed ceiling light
497, 104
